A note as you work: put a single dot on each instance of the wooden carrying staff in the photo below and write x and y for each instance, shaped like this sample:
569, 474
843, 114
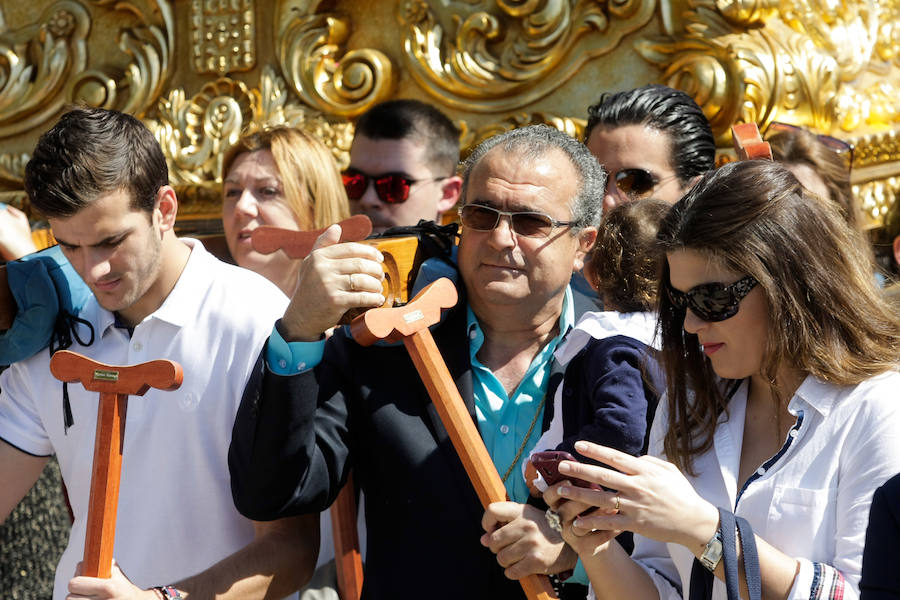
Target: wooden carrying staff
115, 384
410, 324
348, 558
400, 253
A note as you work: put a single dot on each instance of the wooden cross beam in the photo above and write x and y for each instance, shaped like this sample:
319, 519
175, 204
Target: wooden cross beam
115, 384
410, 324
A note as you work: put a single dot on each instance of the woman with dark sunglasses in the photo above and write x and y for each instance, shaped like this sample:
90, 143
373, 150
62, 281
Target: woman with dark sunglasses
782, 363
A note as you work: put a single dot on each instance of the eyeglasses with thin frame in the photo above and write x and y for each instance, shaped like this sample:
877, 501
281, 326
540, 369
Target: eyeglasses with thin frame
391, 188
843, 148
527, 224
638, 184
713, 302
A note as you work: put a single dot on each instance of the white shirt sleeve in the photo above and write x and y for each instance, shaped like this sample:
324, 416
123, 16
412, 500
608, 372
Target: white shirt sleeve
20, 421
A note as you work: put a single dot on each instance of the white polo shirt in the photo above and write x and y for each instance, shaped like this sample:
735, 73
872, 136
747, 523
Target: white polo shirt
176, 516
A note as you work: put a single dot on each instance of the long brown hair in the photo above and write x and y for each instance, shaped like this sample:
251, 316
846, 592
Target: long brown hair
826, 317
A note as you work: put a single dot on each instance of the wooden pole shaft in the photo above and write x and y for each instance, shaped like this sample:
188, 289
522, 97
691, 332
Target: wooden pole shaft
104, 498
465, 437
346, 543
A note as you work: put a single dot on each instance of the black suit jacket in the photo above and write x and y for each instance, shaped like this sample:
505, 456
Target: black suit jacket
881, 557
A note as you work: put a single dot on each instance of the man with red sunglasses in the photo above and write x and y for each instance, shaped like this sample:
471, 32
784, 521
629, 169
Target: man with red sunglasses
652, 140
403, 164
316, 408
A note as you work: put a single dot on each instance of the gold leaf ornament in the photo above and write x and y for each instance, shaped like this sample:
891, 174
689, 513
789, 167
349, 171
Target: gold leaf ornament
310, 55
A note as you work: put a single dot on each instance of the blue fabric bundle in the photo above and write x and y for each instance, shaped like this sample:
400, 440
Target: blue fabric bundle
44, 285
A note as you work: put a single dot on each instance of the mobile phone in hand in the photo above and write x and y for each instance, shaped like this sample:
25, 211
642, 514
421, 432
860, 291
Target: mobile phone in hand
547, 464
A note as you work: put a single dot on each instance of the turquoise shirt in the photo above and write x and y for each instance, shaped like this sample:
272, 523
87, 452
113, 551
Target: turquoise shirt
503, 420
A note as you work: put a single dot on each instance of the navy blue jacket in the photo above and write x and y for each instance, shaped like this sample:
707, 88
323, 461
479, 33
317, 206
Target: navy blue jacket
881, 557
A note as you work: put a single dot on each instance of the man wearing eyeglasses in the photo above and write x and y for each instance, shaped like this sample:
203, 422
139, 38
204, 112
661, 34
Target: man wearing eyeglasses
531, 202
403, 164
652, 140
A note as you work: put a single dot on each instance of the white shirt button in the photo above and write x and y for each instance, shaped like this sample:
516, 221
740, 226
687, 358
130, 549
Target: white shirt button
504, 429
138, 346
301, 366
473, 334
282, 363
761, 471
793, 433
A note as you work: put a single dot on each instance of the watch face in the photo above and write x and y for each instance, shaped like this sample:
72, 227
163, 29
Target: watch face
712, 554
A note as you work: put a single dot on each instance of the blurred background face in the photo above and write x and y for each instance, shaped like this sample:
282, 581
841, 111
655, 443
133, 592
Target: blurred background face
635, 147
253, 195
376, 157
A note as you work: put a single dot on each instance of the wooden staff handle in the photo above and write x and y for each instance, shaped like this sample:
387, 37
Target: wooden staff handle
748, 144
298, 244
115, 384
410, 323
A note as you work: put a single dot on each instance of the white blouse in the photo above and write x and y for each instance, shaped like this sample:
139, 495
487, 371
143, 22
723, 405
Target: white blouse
811, 500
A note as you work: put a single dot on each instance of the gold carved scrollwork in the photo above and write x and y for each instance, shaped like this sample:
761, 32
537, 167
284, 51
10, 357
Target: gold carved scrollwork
150, 45
36, 64
195, 132
794, 60
309, 52
758, 75
500, 63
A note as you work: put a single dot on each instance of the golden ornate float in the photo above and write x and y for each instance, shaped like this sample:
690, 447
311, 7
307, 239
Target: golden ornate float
200, 72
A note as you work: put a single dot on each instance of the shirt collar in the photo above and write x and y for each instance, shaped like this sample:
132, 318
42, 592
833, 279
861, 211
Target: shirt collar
476, 334
183, 302
820, 395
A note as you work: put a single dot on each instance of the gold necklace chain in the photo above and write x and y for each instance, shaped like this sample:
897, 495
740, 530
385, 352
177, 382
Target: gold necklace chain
525, 441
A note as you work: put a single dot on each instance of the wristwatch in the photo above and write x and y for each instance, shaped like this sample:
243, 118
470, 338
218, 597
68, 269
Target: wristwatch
712, 554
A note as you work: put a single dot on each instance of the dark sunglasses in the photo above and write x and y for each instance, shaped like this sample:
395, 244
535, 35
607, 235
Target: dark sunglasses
528, 224
839, 146
637, 183
391, 188
713, 302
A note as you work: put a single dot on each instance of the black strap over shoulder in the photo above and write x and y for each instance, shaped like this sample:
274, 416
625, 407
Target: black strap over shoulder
702, 580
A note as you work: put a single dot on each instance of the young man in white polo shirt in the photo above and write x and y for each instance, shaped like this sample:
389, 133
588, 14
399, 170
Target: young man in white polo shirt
101, 180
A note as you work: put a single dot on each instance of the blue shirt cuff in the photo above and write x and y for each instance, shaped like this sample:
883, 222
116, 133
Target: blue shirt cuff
290, 358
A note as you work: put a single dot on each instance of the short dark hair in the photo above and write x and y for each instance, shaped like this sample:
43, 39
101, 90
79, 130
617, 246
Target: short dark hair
91, 152
667, 110
415, 120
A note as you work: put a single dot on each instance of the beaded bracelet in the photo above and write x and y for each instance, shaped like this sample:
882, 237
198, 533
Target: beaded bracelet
168, 592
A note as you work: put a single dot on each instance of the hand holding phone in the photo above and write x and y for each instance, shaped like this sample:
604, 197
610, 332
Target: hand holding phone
547, 464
